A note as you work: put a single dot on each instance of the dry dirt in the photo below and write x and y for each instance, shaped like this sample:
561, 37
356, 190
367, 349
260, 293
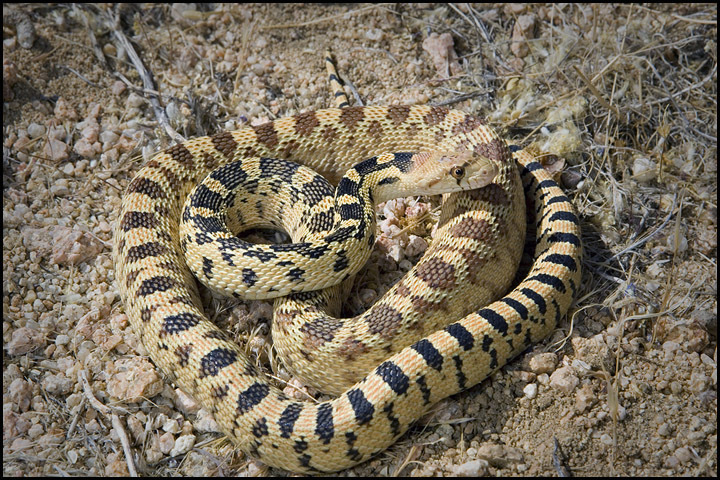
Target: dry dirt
624, 95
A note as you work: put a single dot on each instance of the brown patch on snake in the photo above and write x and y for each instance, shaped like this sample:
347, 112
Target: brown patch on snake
225, 143
283, 320
422, 305
398, 113
145, 186
469, 123
162, 212
474, 262
305, 123
435, 115
328, 134
150, 249
183, 354
494, 150
171, 267
220, 392
130, 277
250, 151
493, 193
290, 147
402, 289
350, 116
182, 156
266, 134
320, 331
351, 349
164, 237
209, 162
133, 220
411, 130
173, 178
477, 229
437, 273
383, 320
375, 130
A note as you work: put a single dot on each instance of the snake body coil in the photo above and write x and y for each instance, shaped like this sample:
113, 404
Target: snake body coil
164, 308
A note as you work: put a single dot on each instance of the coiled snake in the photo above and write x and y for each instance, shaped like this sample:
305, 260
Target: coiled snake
474, 255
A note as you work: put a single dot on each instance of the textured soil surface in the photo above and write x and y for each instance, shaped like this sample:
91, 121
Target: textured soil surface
624, 96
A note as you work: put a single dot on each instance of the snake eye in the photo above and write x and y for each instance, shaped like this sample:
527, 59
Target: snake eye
457, 172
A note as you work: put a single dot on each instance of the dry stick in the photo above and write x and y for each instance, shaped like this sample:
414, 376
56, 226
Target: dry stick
596, 92
116, 423
148, 83
459, 98
80, 76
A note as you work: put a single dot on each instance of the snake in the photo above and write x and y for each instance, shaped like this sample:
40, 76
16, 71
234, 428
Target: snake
163, 304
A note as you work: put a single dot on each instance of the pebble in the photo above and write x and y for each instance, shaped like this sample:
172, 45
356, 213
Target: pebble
134, 100
441, 49
531, 390
166, 442
35, 130
183, 444
564, 380
473, 468
56, 150
543, 363
24, 28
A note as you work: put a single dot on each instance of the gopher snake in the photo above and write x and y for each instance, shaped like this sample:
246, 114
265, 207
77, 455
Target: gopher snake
164, 307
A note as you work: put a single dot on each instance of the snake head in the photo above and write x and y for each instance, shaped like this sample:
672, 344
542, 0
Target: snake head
446, 172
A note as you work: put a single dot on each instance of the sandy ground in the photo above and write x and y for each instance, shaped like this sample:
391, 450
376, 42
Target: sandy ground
624, 95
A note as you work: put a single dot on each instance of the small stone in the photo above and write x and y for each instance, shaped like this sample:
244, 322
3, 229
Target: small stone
530, 390
24, 340
564, 379
56, 150
473, 468
585, 398
183, 445
64, 110
134, 100
441, 49
166, 442
543, 363
35, 130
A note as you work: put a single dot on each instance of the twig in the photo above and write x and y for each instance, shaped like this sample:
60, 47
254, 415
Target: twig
148, 83
79, 75
596, 92
460, 98
116, 423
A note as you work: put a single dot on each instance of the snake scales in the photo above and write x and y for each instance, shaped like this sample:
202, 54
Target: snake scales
164, 308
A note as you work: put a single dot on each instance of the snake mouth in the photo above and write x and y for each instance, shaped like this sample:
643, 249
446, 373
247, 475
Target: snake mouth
483, 176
